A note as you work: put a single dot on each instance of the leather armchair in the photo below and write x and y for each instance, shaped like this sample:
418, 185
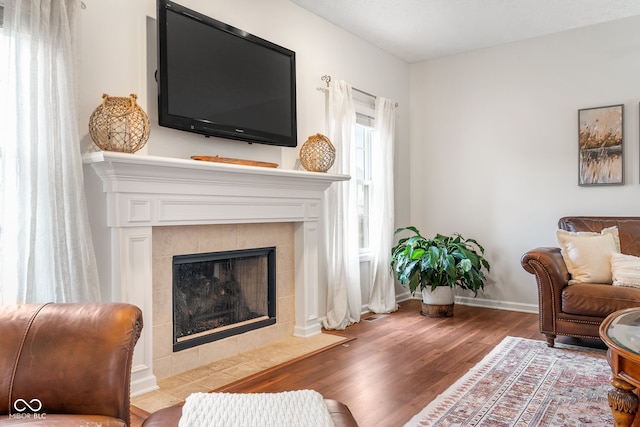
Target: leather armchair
67, 364
578, 310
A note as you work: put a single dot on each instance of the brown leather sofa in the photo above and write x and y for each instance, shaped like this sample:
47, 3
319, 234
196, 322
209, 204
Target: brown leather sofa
67, 364
577, 310
169, 417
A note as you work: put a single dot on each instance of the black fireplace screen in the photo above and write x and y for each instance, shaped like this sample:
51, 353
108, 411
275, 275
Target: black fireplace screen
220, 294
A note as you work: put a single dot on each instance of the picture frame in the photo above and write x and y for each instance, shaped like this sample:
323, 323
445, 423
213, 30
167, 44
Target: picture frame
600, 145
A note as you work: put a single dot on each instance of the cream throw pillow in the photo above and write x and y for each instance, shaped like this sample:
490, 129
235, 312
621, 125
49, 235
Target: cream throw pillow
588, 255
625, 270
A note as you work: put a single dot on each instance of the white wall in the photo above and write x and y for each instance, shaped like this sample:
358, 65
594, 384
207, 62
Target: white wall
118, 57
493, 132
118, 54
494, 148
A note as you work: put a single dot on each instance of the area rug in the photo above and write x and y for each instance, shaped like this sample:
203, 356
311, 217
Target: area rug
523, 382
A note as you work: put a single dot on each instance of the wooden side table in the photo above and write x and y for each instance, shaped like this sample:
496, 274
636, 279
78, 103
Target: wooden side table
620, 331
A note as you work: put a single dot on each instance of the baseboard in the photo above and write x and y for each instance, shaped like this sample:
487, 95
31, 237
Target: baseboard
404, 296
484, 303
470, 301
500, 305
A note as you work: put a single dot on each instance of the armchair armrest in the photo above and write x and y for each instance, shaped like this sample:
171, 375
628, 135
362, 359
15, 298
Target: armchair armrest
75, 359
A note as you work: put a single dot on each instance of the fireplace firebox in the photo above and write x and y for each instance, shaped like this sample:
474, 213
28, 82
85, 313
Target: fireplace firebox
220, 294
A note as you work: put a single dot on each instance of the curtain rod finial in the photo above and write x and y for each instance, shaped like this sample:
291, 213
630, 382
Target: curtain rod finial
326, 78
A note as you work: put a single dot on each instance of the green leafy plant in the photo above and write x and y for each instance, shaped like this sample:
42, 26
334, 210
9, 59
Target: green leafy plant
419, 262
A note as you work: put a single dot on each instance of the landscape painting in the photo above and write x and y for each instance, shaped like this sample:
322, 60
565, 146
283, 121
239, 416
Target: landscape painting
600, 145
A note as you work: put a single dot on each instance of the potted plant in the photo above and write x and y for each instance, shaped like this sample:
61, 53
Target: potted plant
436, 265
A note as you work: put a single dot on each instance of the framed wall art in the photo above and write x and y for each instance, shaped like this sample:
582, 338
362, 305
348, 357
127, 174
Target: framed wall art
600, 146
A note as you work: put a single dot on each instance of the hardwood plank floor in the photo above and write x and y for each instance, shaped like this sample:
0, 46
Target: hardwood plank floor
397, 363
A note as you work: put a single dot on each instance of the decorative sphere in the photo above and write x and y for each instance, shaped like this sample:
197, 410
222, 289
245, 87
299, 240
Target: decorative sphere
317, 153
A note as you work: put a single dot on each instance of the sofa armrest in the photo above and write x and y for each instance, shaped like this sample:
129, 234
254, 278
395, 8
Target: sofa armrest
552, 276
547, 262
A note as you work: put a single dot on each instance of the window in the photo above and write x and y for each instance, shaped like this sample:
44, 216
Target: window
365, 108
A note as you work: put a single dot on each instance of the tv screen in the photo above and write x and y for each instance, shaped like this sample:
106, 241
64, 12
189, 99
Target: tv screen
217, 80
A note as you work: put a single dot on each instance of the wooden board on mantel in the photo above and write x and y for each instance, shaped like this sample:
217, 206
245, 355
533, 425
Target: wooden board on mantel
219, 159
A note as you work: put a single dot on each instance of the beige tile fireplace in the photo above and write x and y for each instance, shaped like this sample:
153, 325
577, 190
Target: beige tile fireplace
138, 203
181, 240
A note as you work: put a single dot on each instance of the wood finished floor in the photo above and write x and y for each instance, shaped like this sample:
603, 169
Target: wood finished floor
397, 363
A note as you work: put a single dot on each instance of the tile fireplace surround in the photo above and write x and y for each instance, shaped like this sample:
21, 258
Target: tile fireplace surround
129, 195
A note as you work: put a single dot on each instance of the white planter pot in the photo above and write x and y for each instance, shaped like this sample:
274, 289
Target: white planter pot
437, 303
441, 295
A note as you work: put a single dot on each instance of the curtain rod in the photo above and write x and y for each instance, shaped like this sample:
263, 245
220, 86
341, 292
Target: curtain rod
327, 79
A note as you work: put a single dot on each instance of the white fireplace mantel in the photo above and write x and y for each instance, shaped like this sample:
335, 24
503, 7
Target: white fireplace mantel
129, 194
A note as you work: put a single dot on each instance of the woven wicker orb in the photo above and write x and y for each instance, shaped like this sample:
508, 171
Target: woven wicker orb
317, 153
119, 124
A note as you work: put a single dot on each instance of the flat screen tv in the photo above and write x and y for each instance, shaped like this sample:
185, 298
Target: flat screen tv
217, 80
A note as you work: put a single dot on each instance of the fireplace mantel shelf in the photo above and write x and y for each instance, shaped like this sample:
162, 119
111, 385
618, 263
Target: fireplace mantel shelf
166, 191
129, 167
128, 195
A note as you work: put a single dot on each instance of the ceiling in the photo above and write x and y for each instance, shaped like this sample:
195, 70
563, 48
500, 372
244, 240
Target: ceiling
418, 30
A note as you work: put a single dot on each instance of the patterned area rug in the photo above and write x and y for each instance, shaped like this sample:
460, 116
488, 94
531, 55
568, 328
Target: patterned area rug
523, 382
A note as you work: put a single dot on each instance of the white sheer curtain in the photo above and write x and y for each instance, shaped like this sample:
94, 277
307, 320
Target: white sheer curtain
383, 296
340, 216
46, 253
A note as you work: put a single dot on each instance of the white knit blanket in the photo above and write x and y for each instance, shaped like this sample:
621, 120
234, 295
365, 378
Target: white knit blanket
304, 408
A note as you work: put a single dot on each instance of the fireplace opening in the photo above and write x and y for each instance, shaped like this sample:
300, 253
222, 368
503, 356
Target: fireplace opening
220, 294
